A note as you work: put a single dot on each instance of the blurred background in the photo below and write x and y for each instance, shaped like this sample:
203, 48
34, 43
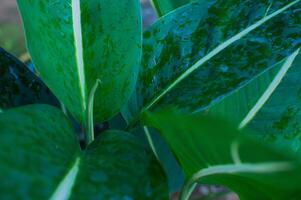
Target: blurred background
11, 34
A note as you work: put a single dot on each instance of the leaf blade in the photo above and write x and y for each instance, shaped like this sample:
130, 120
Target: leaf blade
202, 147
74, 58
181, 39
47, 155
274, 84
30, 159
217, 50
19, 86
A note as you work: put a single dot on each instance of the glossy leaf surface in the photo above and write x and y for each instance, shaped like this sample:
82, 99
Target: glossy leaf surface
212, 152
19, 86
117, 166
41, 159
195, 56
273, 113
73, 44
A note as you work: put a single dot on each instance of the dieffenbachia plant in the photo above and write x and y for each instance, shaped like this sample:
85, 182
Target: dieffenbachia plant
237, 60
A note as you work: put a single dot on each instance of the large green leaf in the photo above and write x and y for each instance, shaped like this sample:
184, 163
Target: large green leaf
19, 86
73, 43
195, 56
269, 104
41, 159
163, 7
212, 152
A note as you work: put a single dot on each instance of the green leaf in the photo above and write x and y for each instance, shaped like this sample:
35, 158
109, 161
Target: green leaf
269, 104
163, 7
194, 56
19, 86
74, 43
40, 159
151, 139
212, 152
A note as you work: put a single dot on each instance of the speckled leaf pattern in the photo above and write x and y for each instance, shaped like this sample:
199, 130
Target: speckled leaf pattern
212, 152
163, 7
180, 39
278, 120
75, 42
117, 166
19, 86
39, 148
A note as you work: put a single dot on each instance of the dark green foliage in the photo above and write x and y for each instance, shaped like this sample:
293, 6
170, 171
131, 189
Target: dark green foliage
237, 60
177, 41
38, 146
19, 86
45, 149
117, 166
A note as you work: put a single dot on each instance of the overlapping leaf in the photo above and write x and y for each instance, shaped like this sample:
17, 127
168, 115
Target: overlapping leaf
212, 152
19, 86
200, 53
74, 43
269, 104
41, 159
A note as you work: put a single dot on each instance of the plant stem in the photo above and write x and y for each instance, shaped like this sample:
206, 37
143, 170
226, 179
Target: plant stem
89, 127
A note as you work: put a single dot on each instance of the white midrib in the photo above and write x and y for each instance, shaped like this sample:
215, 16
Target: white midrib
258, 168
270, 89
78, 42
216, 51
64, 189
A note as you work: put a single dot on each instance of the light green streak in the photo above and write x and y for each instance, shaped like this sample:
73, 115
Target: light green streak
235, 152
90, 126
216, 51
271, 88
64, 109
78, 42
150, 141
64, 189
260, 168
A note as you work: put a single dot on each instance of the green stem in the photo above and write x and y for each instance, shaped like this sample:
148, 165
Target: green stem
89, 127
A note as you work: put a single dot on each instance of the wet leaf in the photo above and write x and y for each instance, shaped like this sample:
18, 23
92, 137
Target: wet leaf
19, 86
269, 104
73, 44
196, 55
41, 159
